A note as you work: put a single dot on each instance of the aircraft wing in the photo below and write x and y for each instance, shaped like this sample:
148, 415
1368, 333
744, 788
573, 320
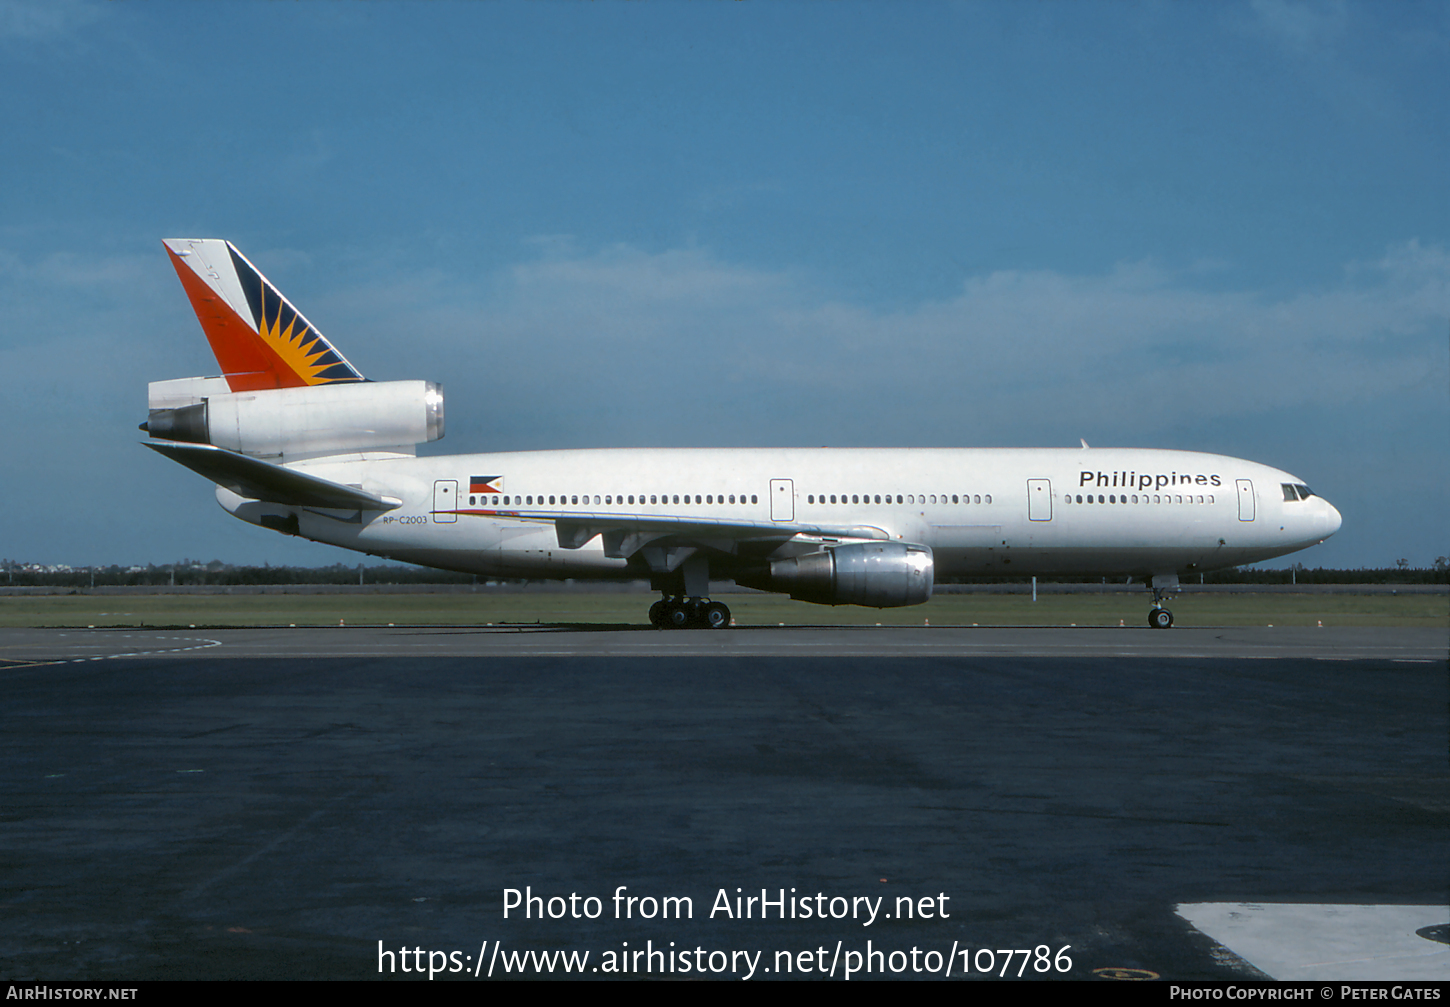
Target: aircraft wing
261, 480
625, 534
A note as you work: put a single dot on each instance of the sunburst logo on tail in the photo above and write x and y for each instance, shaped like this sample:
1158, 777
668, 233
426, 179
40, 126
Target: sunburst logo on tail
259, 338
287, 333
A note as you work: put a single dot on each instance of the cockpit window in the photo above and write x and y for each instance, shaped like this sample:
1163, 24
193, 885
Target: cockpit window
1304, 491
1289, 495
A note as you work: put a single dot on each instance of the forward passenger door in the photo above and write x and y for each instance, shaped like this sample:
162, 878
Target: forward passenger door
1246, 500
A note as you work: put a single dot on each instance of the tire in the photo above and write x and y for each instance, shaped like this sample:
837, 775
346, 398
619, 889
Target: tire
678, 616
657, 614
717, 616
1160, 618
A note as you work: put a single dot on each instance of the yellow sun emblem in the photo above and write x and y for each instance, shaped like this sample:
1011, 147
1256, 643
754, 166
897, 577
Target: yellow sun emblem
292, 338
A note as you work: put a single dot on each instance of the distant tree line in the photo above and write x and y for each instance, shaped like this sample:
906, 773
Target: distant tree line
188, 574
1247, 575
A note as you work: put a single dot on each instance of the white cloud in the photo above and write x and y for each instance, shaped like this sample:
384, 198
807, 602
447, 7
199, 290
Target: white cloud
37, 20
1300, 26
1120, 348
620, 345
621, 275
1338, 51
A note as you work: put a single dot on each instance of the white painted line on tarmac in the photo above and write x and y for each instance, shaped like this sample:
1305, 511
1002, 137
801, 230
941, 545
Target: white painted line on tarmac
197, 644
1307, 942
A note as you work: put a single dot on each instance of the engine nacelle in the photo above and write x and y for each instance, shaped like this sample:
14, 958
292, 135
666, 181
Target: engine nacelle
875, 574
318, 419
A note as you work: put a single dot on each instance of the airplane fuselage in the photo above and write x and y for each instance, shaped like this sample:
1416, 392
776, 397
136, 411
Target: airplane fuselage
988, 512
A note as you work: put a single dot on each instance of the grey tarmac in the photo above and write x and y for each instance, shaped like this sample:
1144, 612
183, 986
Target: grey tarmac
272, 803
1233, 642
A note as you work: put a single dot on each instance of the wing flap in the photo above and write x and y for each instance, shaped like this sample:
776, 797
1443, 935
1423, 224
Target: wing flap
261, 480
626, 534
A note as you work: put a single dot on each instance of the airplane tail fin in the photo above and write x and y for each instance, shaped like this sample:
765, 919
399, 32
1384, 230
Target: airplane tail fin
259, 338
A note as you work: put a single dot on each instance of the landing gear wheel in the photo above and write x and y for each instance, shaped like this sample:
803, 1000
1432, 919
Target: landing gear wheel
678, 616
717, 616
658, 613
1160, 618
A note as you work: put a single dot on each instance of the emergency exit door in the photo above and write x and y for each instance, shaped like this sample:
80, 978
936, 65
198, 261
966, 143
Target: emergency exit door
1039, 500
782, 500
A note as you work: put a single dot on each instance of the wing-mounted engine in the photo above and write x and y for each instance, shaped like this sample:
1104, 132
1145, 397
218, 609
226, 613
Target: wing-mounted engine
874, 574
294, 422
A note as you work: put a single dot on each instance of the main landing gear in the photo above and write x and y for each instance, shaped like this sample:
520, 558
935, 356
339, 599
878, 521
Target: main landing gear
688, 613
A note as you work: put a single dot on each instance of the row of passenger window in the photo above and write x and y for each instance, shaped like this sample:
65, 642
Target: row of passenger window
611, 499
910, 498
1122, 498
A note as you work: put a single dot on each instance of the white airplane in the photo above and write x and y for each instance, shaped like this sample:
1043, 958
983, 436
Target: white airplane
298, 441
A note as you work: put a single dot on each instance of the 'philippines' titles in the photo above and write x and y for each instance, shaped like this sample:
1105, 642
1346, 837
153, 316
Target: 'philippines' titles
1143, 480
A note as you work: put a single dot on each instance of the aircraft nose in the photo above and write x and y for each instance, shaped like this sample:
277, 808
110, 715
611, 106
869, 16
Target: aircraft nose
1331, 519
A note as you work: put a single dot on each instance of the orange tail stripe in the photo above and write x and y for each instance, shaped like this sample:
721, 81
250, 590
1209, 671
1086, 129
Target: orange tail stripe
248, 363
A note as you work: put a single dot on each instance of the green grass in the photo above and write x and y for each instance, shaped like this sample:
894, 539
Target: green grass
748, 610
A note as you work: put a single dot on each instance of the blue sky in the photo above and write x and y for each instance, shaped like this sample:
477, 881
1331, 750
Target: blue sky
1220, 227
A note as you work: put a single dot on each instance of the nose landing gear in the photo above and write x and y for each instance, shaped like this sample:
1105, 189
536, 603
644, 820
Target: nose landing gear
688, 613
1158, 616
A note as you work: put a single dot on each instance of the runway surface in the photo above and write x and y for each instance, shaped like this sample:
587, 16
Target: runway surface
273, 803
1234, 642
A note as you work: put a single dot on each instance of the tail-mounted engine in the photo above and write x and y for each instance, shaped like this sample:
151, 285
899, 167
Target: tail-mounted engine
875, 574
317, 419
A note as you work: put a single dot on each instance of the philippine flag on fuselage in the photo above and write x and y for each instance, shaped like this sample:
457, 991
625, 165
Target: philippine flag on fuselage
485, 484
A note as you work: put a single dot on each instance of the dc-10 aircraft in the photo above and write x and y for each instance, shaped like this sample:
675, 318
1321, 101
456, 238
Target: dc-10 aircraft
297, 440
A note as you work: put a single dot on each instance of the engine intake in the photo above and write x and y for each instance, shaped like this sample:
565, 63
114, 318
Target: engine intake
875, 574
354, 416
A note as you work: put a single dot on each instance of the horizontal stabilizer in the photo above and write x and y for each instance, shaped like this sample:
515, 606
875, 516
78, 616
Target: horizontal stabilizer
259, 480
